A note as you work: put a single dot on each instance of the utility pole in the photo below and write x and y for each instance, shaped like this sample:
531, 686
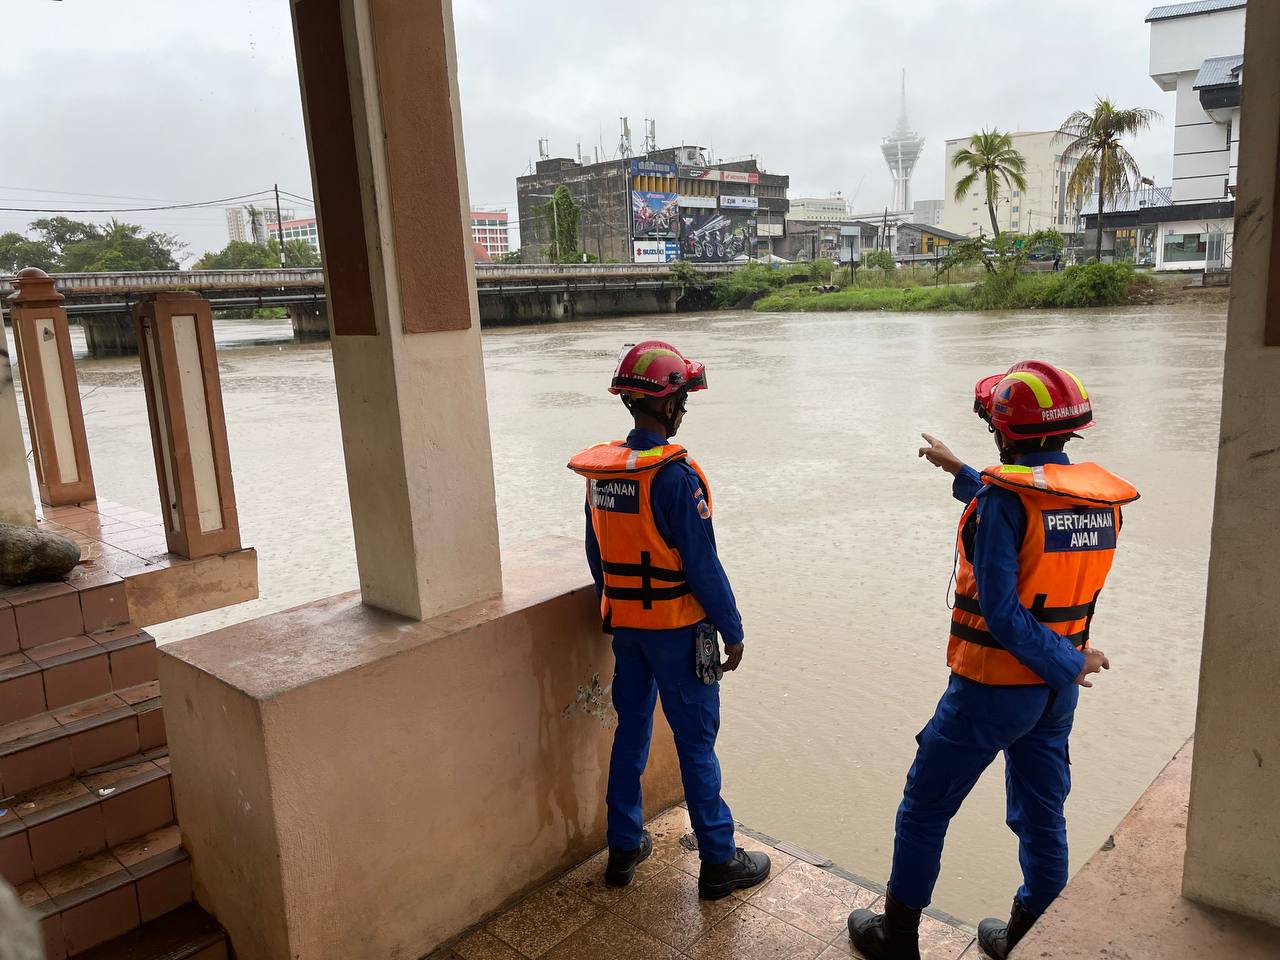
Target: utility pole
279, 227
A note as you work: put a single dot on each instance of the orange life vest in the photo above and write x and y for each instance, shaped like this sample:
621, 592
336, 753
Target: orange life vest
644, 582
1073, 519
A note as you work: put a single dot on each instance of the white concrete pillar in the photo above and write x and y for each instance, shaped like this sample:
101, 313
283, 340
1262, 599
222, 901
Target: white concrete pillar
385, 132
50, 390
16, 502
1233, 830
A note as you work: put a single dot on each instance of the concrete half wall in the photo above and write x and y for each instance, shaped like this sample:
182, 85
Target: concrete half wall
352, 784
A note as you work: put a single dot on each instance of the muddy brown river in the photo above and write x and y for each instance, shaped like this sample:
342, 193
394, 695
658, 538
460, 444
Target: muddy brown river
838, 540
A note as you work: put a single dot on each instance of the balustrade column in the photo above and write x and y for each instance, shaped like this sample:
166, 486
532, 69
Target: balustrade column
50, 390
188, 426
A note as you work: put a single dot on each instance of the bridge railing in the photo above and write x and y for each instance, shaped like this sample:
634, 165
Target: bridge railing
160, 280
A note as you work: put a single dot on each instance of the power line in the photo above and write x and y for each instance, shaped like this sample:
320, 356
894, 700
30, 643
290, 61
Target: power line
171, 206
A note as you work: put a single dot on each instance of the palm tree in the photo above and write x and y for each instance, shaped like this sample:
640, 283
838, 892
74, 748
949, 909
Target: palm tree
1101, 160
991, 156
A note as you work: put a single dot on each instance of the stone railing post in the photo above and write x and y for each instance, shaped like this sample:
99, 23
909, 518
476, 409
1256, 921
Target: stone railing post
188, 426
50, 390
16, 503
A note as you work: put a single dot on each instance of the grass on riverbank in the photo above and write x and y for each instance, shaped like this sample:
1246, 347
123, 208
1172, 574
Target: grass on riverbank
1086, 285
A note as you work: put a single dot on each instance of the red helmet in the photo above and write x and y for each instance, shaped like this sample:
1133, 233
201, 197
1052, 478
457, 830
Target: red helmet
1033, 399
656, 369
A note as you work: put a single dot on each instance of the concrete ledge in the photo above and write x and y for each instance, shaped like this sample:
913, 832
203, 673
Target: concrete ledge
352, 784
1126, 902
178, 587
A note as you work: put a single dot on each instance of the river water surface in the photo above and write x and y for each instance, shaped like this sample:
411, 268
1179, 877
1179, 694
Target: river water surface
838, 540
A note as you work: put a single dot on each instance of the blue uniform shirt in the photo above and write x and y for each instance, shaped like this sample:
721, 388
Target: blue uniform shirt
1002, 524
676, 491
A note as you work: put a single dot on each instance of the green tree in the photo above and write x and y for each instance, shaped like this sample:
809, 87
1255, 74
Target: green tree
511, 256
562, 214
1093, 141
881, 259
18, 252
243, 255
122, 247
992, 158
61, 233
238, 255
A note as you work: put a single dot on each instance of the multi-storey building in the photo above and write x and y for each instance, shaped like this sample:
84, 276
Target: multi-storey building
1043, 204
489, 229
1197, 53
669, 204
298, 230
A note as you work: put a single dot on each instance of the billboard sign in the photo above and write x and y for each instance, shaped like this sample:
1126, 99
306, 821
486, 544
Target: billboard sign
654, 251
740, 203
723, 176
654, 215
710, 236
652, 168
702, 203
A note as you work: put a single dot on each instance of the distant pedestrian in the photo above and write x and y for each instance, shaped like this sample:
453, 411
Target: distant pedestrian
1057, 262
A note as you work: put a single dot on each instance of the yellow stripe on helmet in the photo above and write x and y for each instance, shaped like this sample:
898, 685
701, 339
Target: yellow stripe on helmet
1037, 387
646, 358
1084, 394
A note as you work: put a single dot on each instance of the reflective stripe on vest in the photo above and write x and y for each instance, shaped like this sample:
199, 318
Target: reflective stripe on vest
644, 581
1073, 521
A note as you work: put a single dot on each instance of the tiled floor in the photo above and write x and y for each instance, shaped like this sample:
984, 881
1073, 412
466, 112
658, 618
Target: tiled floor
115, 537
799, 913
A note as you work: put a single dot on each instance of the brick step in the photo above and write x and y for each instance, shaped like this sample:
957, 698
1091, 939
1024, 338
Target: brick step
37, 614
57, 744
111, 894
75, 818
64, 672
187, 933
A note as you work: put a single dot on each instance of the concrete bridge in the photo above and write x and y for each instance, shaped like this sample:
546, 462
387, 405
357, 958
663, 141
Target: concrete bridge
508, 293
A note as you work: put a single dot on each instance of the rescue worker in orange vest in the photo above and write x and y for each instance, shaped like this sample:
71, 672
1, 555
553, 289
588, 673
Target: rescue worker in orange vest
663, 594
1034, 547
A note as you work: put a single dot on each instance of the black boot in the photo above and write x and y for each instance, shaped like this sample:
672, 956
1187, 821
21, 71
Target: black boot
997, 938
717, 880
623, 863
892, 935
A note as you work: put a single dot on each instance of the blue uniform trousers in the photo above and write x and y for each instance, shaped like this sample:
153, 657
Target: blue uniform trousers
649, 663
974, 722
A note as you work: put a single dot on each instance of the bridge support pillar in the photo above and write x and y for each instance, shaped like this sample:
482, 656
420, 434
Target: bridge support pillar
50, 390
109, 334
310, 320
188, 426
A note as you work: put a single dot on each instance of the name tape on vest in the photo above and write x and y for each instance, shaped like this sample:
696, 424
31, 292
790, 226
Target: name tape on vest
1093, 528
616, 496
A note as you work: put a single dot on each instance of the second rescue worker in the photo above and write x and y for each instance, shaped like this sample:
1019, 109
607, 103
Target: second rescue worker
652, 553
1034, 547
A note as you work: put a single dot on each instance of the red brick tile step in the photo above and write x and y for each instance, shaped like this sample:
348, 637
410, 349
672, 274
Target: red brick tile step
112, 894
185, 934
80, 817
54, 745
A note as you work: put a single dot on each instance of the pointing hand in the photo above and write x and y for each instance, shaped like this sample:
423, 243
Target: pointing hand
940, 455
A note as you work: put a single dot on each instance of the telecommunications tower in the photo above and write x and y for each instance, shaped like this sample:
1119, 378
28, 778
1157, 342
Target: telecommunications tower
901, 150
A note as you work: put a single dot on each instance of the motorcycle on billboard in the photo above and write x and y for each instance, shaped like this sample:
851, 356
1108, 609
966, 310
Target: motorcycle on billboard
654, 214
712, 236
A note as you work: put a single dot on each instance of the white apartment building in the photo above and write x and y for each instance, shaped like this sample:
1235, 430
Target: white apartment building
489, 229
300, 230
818, 209
1197, 53
928, 212
1044, 204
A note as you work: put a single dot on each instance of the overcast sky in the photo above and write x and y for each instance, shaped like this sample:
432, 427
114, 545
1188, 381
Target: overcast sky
189, 100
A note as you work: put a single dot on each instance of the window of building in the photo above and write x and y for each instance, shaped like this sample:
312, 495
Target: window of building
1016, 209
1185, 247
1015, 193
